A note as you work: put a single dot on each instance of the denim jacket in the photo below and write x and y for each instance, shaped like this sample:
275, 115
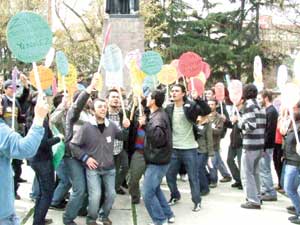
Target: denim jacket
13, 146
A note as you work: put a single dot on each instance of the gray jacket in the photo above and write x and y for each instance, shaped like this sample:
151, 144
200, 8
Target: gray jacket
90, 142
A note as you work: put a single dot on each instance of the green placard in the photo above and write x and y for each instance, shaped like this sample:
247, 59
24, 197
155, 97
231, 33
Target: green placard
151, 62
29, 37
62, 63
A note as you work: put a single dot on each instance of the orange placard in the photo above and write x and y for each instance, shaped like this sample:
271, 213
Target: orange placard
46, 77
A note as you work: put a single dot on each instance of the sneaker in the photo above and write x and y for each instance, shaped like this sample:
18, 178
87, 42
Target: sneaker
213, 185
106, 221
236, 185
295, 221
250, 205
269, 198
48, 221
173, 201
120, 192
291, 210
21, 180
204, 193
171, 219
59, 207
292, 218
197, 207
225, 179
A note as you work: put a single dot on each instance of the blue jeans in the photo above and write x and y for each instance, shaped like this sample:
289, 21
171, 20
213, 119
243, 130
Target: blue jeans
282, 173
76, 173
189, 159
11, 220
63, 186
217, 164
94, 184
267, 186
291, 185
202, 159
44, 172
35, 190
154, 199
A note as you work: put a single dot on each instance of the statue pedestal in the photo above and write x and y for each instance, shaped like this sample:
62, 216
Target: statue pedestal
127, 31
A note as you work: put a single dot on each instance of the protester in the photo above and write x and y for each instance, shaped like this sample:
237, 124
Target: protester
253, 123
93, 145
158, 151
183, 114
12, 145
292, 172
19, 118
115, 114
76, 116
205, 152
217, 161
268, 191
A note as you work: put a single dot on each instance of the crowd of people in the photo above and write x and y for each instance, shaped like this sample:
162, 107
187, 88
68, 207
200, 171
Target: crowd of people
108, 150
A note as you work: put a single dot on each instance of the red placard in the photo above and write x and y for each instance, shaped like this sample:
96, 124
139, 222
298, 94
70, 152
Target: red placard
190, 64
196, 84
205, 68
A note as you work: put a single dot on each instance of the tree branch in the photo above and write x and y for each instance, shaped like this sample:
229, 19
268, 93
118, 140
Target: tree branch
88, 30
62, 22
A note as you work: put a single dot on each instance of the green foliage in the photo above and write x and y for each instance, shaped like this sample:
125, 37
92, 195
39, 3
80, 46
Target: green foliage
218, 37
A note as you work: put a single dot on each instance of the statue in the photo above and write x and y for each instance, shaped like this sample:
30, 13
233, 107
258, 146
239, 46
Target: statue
122, 6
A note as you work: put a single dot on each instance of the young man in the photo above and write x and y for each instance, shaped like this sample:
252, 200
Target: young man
183, 115
267, 186
94, 144
76, 116
252, 123
158, 151
217, 128
19, 119
120, 155
12, 145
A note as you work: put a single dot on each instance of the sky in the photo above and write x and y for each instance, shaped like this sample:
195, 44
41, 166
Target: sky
278, 17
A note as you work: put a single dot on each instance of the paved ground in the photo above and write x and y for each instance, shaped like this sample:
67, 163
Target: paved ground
221, 206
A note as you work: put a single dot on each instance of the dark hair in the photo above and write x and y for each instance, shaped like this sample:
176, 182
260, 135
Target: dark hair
266, 94
57, 99
159, 97
181, 86
111, 90
249, 91
97, 100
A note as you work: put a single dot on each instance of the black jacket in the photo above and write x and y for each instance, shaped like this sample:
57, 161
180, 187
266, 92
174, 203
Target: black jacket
44, 152
72, 117
192, 109
158, 139
272, 117
292, 158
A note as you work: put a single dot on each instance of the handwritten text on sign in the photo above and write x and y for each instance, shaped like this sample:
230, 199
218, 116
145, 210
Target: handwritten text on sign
29, 37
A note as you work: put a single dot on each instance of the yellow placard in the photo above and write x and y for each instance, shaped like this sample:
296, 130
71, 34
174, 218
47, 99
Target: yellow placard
137, 76
167, 75
46, 77
70, 79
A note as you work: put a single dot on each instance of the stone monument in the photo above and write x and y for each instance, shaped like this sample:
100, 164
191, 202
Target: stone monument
127, 30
